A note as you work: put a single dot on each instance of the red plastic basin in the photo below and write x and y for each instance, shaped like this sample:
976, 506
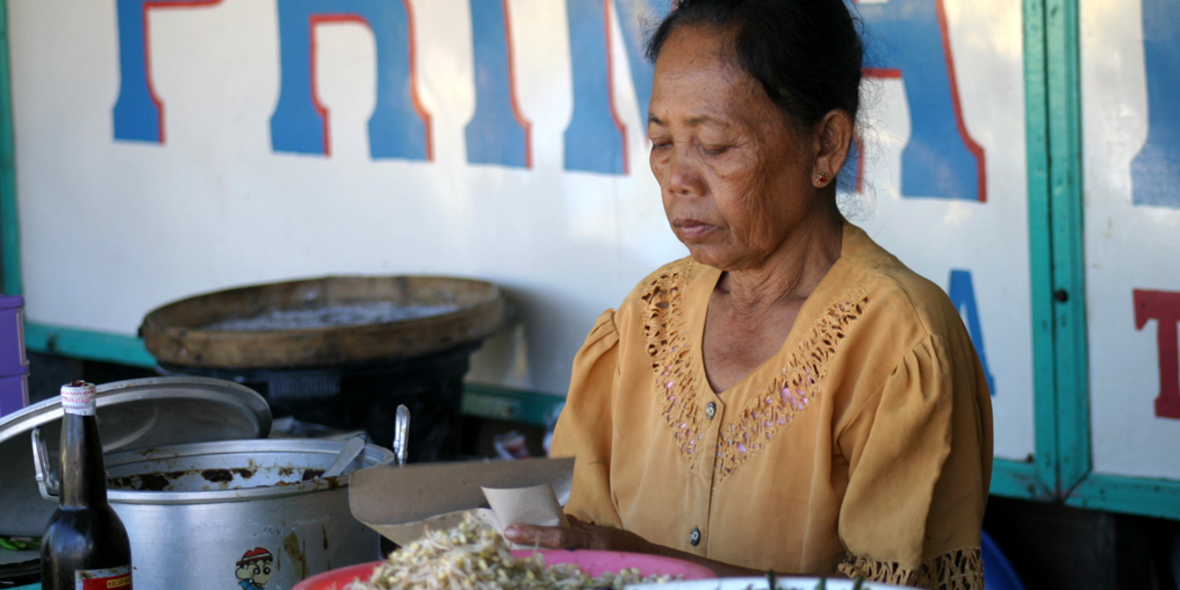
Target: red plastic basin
594, 563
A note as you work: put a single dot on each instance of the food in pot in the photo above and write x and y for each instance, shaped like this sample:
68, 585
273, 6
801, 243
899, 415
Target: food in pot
472, 555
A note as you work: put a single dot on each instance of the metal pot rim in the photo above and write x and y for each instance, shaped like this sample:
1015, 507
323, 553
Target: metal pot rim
372, 456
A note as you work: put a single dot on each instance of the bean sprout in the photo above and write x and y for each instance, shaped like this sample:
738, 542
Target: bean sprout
475, 556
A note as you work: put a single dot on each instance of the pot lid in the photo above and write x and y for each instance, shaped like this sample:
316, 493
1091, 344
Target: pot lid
134, 414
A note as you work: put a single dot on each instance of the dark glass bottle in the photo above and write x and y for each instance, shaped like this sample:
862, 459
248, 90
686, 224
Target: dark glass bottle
85, 546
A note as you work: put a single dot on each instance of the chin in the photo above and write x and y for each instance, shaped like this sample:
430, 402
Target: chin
709, 258
724, 261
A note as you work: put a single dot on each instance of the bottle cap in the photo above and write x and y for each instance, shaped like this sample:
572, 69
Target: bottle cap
78, 398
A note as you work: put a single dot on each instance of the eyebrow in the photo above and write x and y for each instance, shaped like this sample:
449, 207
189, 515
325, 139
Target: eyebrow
694, 121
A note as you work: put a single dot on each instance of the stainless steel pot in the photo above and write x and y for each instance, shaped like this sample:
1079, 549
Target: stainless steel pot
229, 514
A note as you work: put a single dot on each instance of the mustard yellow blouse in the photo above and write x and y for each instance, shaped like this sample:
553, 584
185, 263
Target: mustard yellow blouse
864, 445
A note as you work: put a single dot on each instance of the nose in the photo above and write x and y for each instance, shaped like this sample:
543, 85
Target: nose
679, 173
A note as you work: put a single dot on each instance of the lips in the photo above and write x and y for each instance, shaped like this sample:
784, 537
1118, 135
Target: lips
692, 229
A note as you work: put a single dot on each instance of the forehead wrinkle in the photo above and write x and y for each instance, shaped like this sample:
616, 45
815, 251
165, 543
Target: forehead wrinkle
698, 79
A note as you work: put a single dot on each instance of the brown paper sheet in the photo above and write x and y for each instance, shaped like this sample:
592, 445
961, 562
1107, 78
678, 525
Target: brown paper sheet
402, 503
532, 505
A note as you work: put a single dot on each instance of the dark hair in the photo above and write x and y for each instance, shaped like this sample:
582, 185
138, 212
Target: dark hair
806, 54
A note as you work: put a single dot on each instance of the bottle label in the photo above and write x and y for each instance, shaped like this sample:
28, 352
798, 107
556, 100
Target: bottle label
115, 578
78, 398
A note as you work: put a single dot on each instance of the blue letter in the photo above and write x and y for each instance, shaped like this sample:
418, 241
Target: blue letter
962, 294
941, 159
1155, 172
399, 128
595, 140
138, 113
497, 134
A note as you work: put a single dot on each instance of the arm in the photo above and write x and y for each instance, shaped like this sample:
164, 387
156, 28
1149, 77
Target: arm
585, 426
582, 535
919, 457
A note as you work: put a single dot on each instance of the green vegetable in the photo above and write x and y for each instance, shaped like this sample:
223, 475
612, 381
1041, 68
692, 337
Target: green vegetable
857, 582
771, 581
822, 585
19, 543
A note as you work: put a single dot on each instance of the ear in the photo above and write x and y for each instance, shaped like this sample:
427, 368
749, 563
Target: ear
833, 136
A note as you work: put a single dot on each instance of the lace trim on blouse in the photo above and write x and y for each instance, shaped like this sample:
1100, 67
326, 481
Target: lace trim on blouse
775, 408
667, 344
789, 394
961, 569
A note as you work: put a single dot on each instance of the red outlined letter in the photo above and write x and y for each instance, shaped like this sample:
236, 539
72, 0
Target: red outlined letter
1164, 308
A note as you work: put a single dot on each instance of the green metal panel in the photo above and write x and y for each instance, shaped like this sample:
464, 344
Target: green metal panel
502, 403
9, 226
1040, 242
1014, 479
1159, 498
85, 344
1065, 182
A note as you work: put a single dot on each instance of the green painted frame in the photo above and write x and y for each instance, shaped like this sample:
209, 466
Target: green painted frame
1067, 223
1037, 478
1060, 466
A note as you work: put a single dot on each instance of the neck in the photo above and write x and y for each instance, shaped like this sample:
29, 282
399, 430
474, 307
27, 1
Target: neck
792, 271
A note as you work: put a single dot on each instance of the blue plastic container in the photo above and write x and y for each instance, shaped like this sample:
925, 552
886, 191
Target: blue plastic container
998, 573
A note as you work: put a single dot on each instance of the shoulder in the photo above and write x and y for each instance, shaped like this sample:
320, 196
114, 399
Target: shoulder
897, 296
661, 291
889, 316
671, 276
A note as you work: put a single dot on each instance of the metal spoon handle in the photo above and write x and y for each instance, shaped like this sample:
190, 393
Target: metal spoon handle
401, 433
347, 454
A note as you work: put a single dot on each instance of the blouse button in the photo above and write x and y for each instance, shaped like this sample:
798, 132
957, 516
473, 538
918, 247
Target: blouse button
710, 410
695, 537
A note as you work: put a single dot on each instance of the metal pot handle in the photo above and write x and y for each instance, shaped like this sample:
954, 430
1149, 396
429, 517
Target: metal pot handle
47, 480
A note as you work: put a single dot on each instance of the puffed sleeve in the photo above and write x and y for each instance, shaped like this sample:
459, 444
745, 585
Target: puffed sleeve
584, 429
919, 464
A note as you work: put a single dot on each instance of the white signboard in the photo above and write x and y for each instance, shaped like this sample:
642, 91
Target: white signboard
1130, 79
172, 147
945, 168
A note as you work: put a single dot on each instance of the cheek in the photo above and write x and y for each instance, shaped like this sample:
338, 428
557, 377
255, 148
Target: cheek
659, 162
742, 188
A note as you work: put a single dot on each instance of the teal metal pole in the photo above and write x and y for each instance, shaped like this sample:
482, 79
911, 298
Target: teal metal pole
9, 225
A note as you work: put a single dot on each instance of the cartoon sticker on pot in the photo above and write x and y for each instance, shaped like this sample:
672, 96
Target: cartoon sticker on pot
255, 569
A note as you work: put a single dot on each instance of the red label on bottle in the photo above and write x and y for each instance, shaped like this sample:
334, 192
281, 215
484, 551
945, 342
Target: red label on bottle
105, 579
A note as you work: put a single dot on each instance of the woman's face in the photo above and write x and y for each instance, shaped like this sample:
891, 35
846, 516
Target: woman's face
736, 179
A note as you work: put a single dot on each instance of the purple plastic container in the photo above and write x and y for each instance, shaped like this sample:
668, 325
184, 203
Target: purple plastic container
14, 365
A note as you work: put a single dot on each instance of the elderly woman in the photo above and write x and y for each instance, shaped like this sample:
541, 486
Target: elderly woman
791, 396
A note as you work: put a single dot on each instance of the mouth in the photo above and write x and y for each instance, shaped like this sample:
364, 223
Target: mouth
692, 229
